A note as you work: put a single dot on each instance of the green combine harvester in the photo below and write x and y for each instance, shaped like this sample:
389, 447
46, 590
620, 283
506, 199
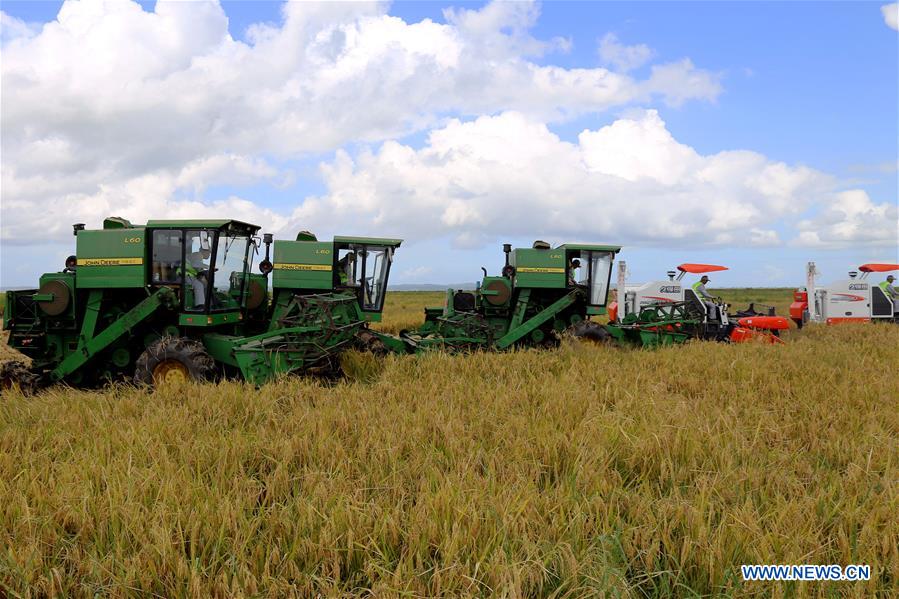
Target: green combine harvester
542, 293
174, 300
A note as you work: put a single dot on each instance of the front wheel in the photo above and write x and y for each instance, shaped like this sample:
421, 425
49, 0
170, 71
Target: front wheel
173, 360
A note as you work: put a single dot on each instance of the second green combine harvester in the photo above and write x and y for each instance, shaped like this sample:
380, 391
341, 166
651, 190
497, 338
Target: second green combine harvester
541, 293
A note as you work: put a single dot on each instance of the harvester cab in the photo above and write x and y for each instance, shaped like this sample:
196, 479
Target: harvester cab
854, 299
350, 268
207, 265
689, 311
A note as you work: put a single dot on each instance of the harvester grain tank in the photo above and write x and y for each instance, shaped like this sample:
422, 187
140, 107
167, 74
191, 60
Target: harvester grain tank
670, 311
854, 299
175, 300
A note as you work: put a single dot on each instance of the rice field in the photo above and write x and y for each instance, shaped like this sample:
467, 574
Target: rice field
581, 471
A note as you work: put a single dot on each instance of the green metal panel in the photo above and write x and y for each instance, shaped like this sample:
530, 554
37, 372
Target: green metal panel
209, 320
535, 321
112, 258
7, 309
117, 222
89, 344
539, 268
303, 265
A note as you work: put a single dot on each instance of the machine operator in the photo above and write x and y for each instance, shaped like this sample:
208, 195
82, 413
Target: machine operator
891, 292
197, 269
346, 268
572, 271
705, 296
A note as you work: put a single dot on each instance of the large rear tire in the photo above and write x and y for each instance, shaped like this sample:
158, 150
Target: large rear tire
173, 360
587, 330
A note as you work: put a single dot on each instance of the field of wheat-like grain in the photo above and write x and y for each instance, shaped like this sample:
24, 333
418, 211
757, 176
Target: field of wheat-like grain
581, 471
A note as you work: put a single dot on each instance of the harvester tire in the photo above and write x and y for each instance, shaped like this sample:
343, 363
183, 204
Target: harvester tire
173, 359
17, 374
587, 330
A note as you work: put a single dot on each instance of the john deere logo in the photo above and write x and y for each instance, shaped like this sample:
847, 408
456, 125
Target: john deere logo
283, 266
110, 261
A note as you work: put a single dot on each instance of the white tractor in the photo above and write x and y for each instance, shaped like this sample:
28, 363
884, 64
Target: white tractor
717, 321
856, 299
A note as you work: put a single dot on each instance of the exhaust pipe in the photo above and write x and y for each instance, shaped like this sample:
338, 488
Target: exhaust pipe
621, 293
266, 266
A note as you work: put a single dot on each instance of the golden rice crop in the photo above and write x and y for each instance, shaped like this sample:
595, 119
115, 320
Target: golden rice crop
581, 471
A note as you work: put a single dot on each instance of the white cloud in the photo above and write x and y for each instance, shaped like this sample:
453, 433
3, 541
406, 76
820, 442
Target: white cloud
115, 110
668, 80
110, 94
13, 28
624, 58
631, 181
891, 15
224, 169
850, 216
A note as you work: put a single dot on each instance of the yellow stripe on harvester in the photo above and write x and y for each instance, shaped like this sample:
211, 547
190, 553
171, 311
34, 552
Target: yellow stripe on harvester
109, 261
540, 269
302, 266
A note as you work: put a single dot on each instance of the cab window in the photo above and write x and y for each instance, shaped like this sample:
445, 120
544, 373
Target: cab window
376, 264
166, 259
599, 268
229, 267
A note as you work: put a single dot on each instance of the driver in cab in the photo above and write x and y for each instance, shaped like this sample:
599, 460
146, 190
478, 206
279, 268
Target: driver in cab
197, 269
345, 268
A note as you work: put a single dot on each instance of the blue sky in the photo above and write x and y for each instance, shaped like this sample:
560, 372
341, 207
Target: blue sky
805, 84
